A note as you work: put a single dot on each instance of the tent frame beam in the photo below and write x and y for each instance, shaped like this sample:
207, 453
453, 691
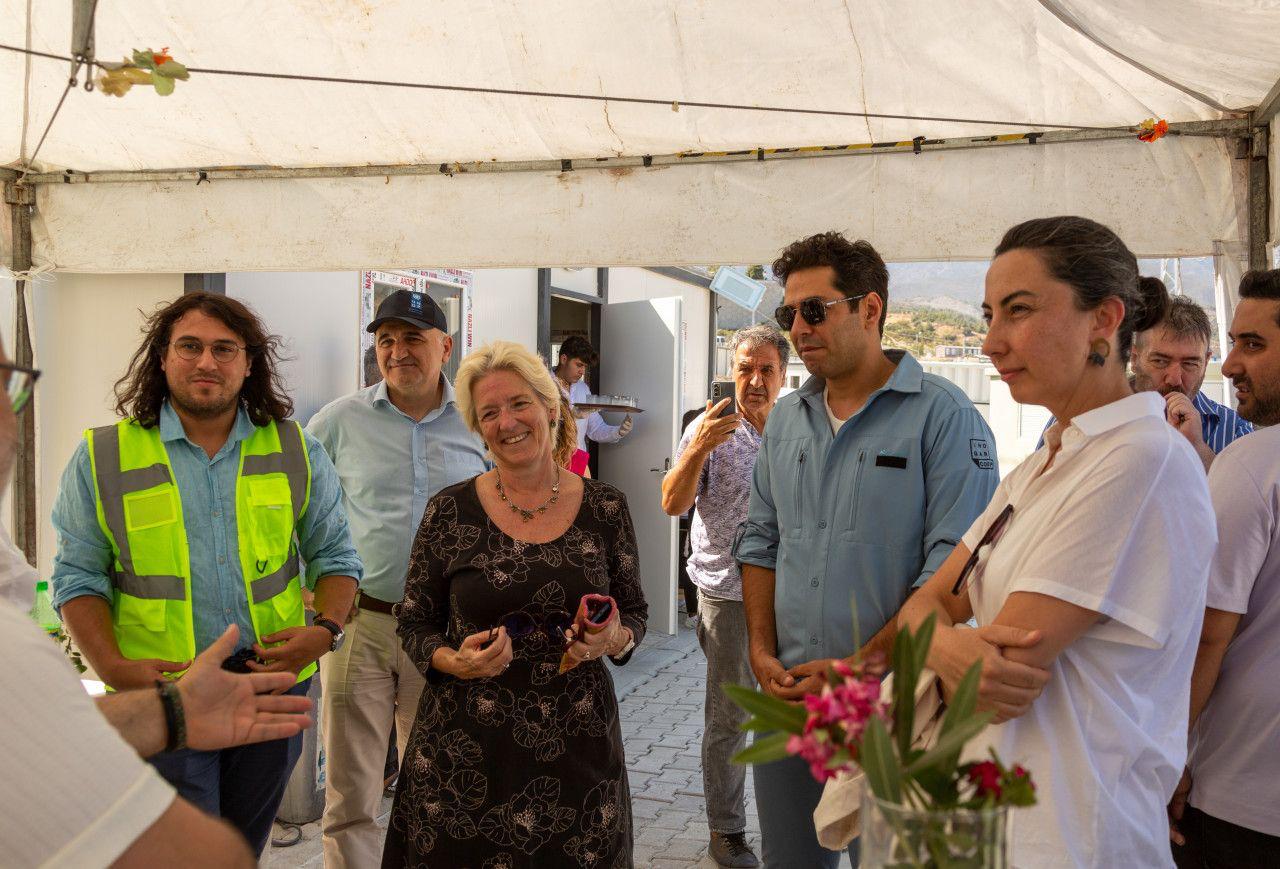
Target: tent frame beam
1269, 107
1240, 128
1259, 197
20, 201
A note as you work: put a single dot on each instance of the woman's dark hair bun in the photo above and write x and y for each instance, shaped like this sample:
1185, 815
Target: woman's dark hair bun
1153, 301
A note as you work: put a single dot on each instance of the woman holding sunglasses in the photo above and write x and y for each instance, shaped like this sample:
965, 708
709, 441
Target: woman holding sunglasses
1093, 553
521, 582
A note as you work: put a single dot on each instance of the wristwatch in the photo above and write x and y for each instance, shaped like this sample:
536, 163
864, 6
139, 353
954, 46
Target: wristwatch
332, 627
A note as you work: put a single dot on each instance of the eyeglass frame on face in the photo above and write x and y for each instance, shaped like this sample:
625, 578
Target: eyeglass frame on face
815, 313
23, 396
213, 348
988, 539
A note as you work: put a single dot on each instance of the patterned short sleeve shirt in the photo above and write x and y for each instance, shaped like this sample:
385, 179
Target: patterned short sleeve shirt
724, 494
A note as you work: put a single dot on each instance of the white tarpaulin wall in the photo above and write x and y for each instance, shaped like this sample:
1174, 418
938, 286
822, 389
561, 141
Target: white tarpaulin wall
1020, 61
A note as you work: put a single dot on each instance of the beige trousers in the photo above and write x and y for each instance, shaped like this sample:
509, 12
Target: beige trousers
365, 683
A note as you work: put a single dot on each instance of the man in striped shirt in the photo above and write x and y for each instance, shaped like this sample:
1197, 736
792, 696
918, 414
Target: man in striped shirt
1171, 359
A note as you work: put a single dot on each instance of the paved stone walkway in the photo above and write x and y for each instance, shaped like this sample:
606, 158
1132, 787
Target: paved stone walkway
661, 698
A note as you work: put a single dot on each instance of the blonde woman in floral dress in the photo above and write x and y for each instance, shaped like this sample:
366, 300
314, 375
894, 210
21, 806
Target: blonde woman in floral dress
512, 763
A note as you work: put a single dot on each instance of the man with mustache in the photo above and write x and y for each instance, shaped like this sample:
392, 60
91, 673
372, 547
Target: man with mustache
395, 444
867, 477
1172, 359
713, 474
190, 515
1226, 811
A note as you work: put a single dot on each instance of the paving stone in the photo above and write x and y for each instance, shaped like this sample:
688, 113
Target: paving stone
684, 849
656, 836
674, 819
687, 761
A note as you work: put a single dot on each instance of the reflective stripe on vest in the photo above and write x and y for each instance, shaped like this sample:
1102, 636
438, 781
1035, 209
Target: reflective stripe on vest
140, 510
113, 484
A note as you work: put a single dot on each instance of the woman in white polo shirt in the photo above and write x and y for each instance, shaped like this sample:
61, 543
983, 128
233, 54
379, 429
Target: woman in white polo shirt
1098, 545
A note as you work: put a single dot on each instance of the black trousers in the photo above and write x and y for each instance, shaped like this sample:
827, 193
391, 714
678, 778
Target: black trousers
1213, 843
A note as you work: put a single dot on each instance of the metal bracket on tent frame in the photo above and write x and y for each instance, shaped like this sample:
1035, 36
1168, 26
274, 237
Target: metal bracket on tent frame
1228, 128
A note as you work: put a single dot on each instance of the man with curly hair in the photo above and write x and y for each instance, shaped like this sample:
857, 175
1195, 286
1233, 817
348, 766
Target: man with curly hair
190, 515
867, 477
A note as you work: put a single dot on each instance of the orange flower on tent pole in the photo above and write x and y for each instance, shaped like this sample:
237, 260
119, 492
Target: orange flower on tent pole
1152, 129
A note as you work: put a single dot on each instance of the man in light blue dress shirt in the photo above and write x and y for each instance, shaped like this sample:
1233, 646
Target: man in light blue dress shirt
395, 444
867, 477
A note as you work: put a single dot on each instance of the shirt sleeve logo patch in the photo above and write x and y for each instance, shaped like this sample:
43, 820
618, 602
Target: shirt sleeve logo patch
980, 452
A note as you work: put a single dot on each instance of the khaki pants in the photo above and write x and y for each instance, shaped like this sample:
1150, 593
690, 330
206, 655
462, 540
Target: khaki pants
365, 683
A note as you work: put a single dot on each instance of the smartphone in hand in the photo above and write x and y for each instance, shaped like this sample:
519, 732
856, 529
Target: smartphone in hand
722, 389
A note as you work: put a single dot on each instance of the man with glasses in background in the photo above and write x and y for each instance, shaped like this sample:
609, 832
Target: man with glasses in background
1172, 359
189, 515
867, 477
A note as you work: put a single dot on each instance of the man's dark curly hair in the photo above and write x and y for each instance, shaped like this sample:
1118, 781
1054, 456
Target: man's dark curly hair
858, 268
143, 388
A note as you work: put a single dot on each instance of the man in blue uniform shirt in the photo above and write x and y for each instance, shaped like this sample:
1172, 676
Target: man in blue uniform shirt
867, 477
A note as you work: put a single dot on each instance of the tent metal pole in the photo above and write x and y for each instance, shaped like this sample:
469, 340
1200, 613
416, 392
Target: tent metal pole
1259, 197
20, 200
1269, 107
1227, 128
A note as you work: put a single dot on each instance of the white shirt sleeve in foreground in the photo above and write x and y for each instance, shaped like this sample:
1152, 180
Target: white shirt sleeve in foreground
1246, 528
75, 794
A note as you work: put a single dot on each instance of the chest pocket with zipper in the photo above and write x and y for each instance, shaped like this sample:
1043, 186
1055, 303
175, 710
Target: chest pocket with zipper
793, 479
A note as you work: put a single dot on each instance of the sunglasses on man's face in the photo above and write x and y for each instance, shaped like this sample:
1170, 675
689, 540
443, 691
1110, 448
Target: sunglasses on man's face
988, 539
813, 310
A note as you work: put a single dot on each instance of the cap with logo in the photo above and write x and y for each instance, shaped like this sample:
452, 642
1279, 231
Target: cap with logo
416, 309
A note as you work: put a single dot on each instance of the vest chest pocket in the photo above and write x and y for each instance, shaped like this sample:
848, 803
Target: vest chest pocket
149, 509
271, 511
151, 521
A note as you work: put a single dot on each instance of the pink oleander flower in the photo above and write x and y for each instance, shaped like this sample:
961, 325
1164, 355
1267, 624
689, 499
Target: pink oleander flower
837, 717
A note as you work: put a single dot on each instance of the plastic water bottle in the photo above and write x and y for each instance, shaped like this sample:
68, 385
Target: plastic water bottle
43, 611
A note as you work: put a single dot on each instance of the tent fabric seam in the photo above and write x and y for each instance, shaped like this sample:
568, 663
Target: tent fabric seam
1055, 8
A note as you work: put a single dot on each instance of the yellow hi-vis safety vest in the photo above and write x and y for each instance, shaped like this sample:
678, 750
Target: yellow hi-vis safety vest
140, 511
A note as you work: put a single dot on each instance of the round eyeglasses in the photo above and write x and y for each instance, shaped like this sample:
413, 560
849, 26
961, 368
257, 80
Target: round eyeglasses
192, 349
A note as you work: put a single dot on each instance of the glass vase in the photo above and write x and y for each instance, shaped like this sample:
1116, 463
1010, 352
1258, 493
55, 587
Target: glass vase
901, 837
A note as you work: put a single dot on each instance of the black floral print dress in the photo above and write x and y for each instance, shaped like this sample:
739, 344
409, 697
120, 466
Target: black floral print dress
525, 768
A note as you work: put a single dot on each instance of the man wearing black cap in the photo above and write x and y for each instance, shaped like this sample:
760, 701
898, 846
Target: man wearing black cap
395, 444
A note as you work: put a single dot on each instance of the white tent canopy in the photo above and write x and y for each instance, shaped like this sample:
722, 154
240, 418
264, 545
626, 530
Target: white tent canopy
1028, 64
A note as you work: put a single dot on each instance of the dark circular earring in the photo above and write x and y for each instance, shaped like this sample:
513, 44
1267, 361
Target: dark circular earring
1098, 352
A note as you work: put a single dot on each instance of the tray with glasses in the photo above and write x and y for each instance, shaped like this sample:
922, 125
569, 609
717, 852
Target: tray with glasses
617, 403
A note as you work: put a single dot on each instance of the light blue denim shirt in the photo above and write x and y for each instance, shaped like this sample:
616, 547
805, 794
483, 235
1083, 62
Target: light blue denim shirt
390, 466
863, 517
207, 490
